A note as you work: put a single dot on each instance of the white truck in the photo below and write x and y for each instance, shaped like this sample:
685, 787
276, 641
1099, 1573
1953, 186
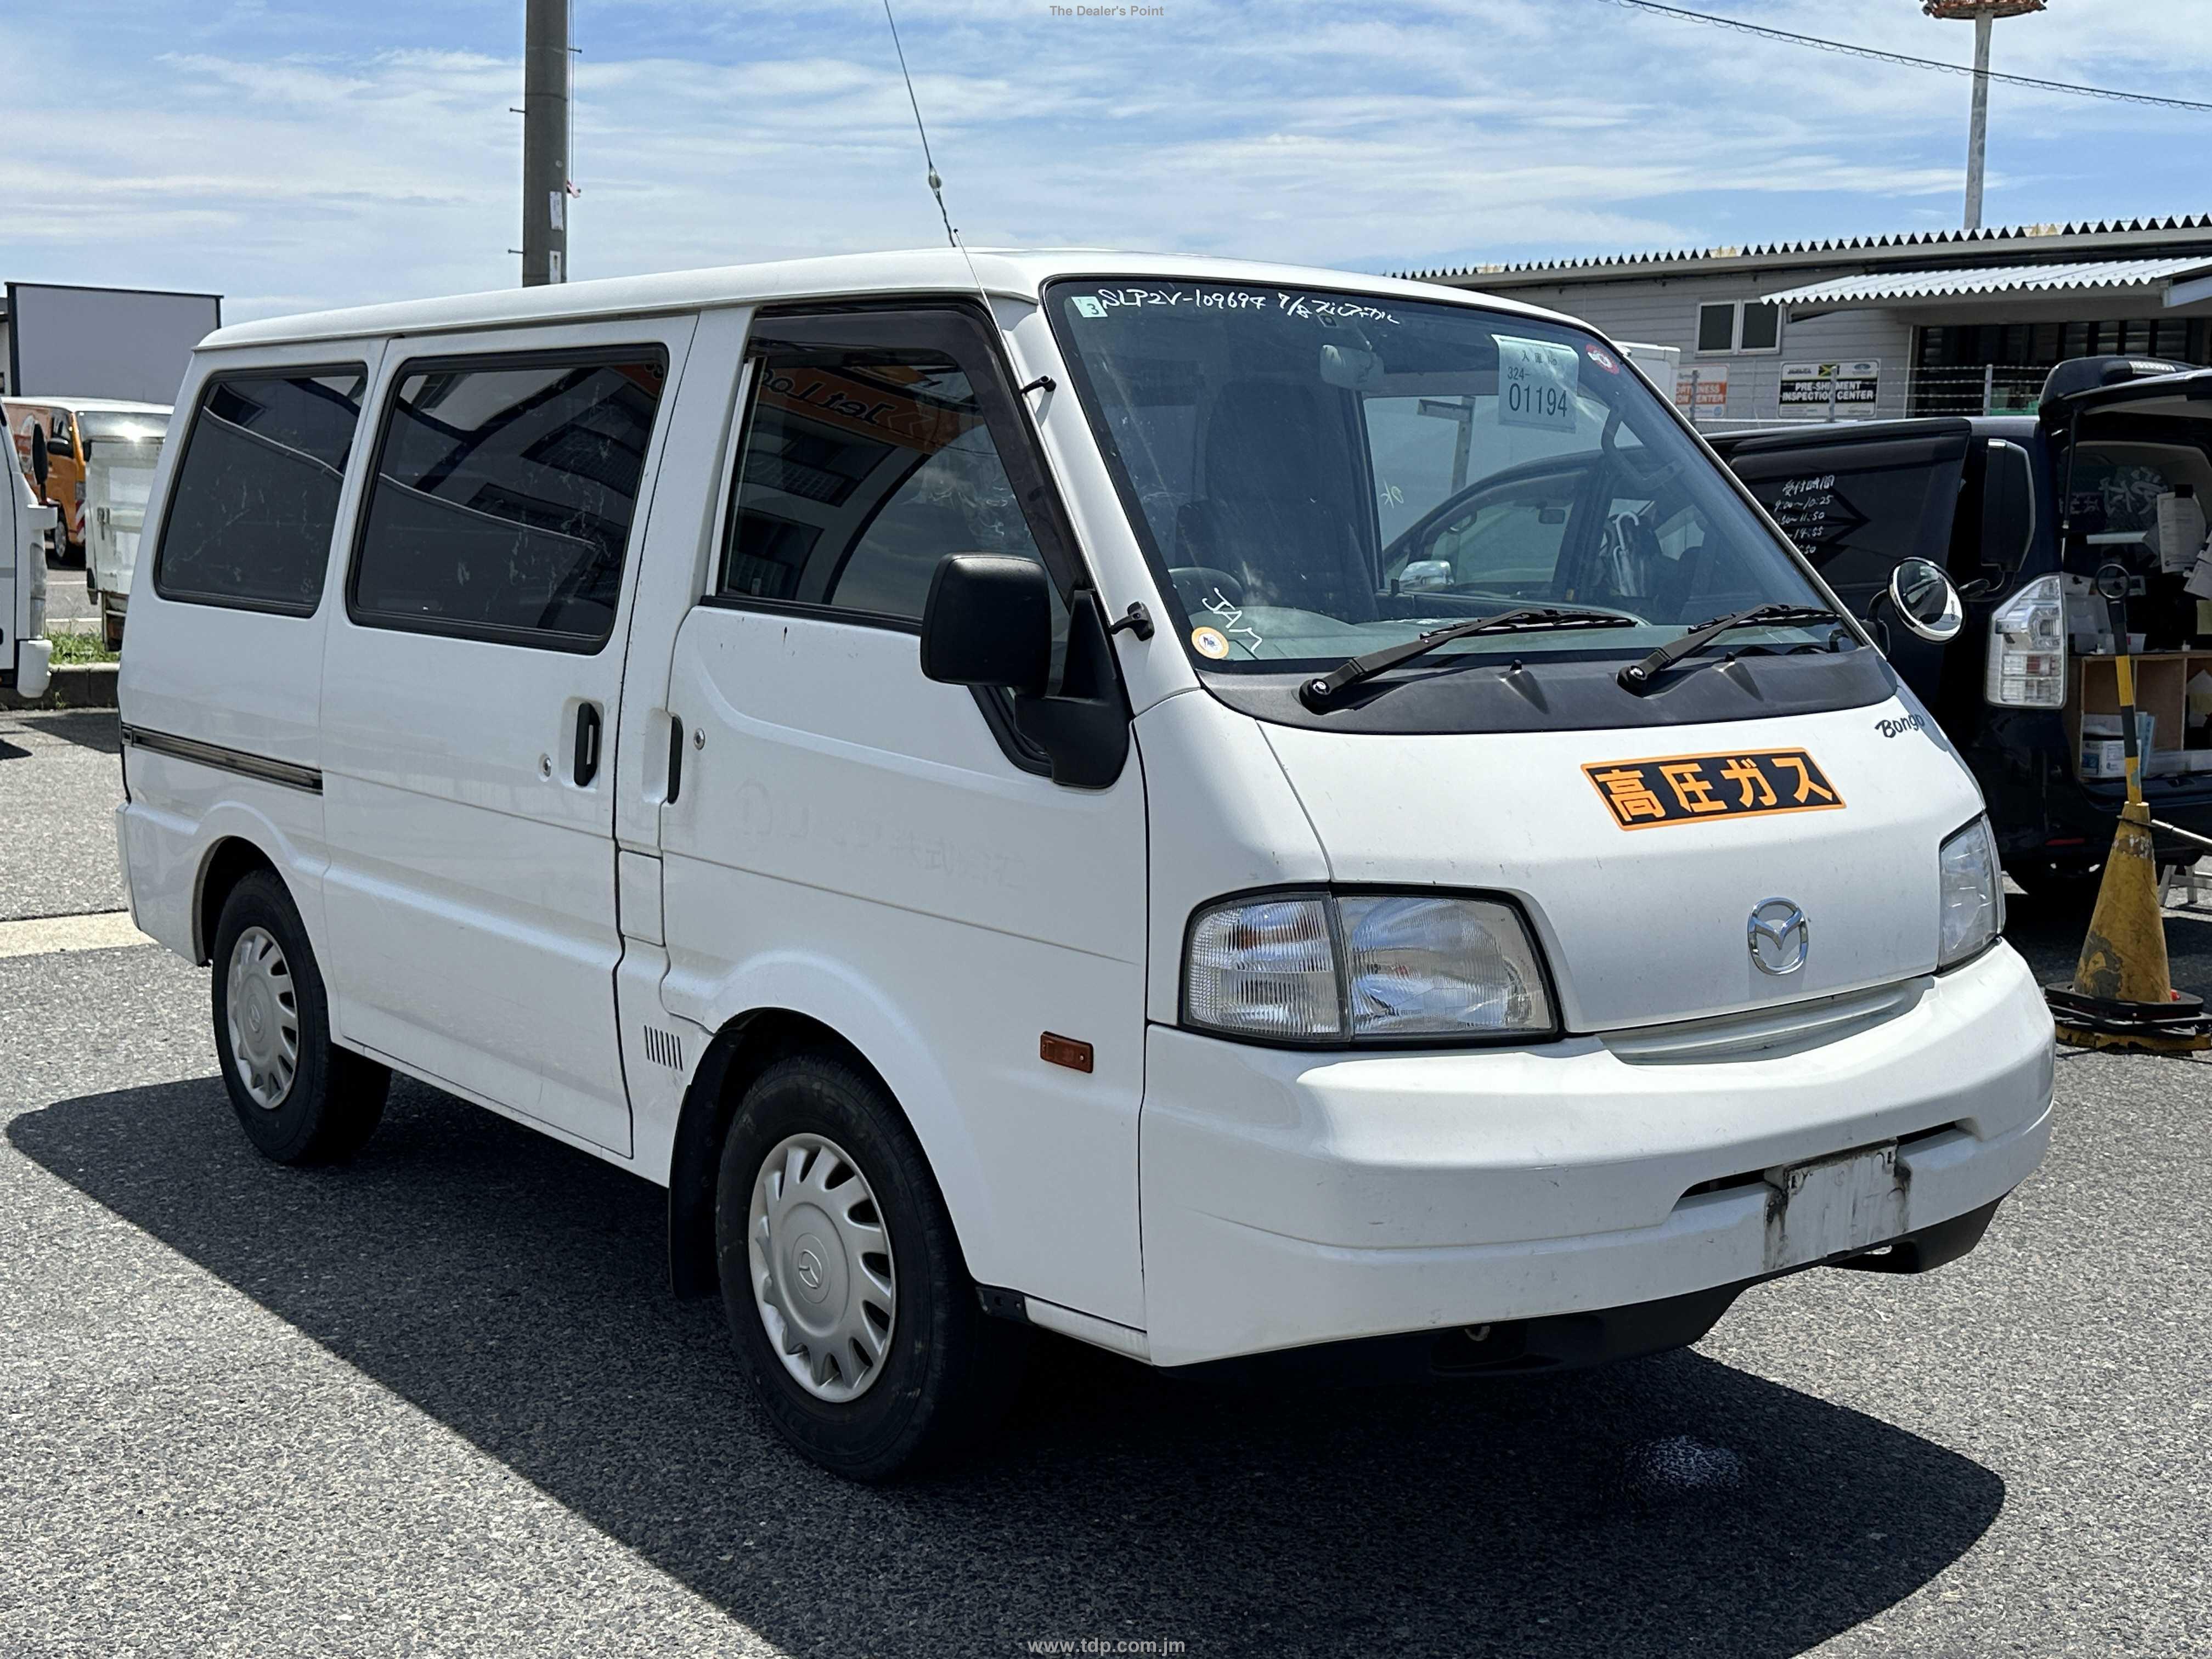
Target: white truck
25, 652
120, 449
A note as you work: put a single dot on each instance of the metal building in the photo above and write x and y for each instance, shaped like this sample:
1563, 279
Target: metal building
1947, 322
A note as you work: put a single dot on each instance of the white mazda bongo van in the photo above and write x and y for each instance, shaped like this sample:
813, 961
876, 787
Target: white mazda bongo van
1214, 809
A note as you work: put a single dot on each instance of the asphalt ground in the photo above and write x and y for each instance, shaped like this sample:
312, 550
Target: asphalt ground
439, 1401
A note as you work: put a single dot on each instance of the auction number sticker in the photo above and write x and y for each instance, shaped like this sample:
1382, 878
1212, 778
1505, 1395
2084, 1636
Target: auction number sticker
1690, 788
1536, 383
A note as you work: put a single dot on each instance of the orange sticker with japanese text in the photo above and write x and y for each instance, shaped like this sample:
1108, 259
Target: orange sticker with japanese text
1691, 789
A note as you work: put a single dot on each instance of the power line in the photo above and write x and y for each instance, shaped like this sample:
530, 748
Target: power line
1880, 57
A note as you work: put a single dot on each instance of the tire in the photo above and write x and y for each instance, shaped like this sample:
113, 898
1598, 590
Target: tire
328, 1103
111, 629
816, 1153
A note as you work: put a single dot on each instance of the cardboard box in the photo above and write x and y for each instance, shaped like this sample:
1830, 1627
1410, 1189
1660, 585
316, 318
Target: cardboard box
2104, 757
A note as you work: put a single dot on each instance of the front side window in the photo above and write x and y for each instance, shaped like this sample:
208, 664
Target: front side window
255, 501
862, 469
503, 496
1320, 476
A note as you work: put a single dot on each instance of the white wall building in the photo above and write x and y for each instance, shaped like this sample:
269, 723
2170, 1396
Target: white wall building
1928, 322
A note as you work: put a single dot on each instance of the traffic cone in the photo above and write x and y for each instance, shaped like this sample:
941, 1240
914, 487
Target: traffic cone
2123, 994
2124, 955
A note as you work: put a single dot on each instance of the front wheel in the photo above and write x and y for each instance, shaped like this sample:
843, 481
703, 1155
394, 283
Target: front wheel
843, 1279
298, 1097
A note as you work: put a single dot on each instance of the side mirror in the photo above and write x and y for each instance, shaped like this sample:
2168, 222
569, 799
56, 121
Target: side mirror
1925, 601
989, 622
1424, 576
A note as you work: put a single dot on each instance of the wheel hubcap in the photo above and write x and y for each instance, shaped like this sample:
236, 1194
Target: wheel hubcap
821, 1267
262, 1009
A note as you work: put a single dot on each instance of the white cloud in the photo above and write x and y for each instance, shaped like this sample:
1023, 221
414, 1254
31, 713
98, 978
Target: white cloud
291, 160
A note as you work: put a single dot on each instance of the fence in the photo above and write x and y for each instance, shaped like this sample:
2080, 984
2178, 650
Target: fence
1987, 389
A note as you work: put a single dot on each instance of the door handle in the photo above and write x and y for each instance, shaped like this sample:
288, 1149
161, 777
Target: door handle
675, 761
588, 742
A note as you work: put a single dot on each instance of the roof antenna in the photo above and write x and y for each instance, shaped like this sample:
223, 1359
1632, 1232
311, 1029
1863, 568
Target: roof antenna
937, 188
936, 184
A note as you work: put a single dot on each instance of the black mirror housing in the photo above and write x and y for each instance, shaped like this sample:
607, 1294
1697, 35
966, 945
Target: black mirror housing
987, 621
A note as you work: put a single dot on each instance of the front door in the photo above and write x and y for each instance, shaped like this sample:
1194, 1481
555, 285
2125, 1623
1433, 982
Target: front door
470, 693
878, 852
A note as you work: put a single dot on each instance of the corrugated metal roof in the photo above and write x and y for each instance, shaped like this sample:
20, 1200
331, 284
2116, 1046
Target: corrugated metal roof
1903, 245
1989, 279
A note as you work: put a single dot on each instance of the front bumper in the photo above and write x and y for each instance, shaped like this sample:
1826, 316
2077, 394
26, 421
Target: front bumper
1291, 1198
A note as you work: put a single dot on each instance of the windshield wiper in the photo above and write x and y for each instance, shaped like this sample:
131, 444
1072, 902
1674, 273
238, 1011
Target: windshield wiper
1318, 694
1639, 677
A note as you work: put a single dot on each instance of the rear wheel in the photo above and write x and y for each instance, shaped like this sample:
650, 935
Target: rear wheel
843, 1279
300, 1097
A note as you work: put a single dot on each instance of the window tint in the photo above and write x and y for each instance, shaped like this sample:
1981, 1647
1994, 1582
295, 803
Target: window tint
1855, 514
860, 472
256, 496
503, 496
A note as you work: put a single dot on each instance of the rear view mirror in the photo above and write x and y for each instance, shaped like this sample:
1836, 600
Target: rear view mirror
1351, 368
1925, 601
989, 622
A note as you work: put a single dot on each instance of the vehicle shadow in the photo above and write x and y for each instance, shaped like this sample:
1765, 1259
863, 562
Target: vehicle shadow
514, 1290
88, 728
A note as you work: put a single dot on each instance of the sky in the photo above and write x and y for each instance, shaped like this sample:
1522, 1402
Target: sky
292, 155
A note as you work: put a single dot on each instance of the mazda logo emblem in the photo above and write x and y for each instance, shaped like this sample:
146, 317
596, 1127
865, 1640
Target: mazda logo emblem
1779, 936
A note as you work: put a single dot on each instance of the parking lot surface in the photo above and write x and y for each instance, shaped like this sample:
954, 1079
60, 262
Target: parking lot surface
439, 1401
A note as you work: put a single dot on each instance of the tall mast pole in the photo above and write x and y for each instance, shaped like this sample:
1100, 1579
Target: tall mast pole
1977, 131
545, 142
1983, 15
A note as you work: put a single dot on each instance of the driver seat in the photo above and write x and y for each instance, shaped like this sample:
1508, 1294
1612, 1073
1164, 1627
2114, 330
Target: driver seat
1264, 457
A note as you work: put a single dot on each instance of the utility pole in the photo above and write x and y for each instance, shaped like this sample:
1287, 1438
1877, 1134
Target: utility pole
545, 142
1983, 15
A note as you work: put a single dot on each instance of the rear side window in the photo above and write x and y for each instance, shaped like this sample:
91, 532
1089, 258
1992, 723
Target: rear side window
256, 496
503, 493
861, 471
1857, 509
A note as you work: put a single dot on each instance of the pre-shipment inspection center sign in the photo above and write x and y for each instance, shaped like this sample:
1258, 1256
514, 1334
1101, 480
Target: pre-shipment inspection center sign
1853, 385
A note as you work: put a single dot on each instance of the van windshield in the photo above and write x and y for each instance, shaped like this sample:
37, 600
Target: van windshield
1321, 475
128, 427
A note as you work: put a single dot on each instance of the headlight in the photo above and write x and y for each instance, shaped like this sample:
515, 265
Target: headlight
1972, 905
1365, 967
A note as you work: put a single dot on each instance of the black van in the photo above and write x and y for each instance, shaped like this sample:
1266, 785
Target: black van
2024, 510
